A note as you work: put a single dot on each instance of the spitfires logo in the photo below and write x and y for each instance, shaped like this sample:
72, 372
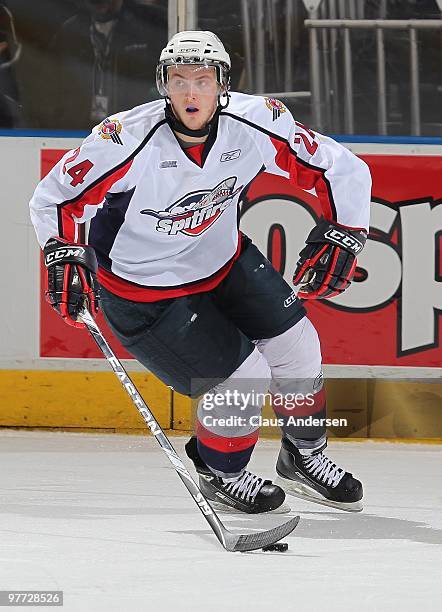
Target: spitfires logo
110, 130
195, 212
276, 107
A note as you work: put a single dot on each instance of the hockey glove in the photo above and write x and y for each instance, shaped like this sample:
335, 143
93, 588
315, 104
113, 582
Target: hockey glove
72, 281
327, 263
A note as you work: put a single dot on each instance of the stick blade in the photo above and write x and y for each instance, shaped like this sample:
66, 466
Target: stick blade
255, 541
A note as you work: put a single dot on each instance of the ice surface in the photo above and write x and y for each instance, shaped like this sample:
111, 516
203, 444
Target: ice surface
106, 519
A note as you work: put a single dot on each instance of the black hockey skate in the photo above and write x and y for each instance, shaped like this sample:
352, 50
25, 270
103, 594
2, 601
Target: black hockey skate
249, 493
315, 477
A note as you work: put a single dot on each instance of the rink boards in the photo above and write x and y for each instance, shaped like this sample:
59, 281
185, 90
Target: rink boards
51, 375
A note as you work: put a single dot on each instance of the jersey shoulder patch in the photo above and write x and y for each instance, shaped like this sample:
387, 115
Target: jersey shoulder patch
110, 129
131, 125
276, 107
264, 112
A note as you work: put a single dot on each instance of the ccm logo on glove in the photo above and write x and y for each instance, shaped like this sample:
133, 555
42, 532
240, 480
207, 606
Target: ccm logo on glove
344, 240
72, 282
327, 263
63, 253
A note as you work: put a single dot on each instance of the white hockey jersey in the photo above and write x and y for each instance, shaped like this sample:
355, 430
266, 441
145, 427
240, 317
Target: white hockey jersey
164, 225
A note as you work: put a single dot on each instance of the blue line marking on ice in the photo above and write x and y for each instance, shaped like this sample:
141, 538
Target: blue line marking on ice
430, 140
40, 133
23, 132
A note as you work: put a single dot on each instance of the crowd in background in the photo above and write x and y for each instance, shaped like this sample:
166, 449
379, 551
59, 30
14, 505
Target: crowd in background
83, 59
68, 64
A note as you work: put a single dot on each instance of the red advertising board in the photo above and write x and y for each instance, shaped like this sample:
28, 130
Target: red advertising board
390, 316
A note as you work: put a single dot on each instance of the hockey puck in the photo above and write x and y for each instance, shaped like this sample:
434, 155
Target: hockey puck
278, 547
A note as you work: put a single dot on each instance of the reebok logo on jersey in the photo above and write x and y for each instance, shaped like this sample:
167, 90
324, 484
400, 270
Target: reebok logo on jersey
110, 130
195, 212
229, 155
170, 163
276, 107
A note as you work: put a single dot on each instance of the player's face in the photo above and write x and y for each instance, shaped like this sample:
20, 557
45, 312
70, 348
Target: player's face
193, 92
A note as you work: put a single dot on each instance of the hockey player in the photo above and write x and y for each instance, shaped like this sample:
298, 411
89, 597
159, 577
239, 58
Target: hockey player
184, 291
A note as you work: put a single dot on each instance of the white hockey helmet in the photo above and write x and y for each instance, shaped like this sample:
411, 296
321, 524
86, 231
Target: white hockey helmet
194, 47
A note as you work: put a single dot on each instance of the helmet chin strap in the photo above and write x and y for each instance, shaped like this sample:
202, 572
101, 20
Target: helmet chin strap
178, 126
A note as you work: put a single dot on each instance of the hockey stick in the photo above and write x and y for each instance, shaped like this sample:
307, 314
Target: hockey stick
230, 541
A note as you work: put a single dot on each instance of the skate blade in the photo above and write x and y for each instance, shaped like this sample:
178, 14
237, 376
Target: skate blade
298, 489
225, 509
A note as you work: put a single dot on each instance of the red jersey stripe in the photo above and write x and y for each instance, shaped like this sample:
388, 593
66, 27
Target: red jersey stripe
137, 293
306, 176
